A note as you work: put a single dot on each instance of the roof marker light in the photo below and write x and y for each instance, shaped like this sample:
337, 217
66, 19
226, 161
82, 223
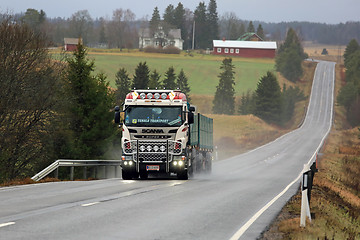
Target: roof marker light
172, 95
142, 95
135, 95
163, 96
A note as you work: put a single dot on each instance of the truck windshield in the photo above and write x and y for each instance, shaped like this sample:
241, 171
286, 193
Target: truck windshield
153, 116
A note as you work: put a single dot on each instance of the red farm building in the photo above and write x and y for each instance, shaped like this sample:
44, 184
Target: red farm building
248, 49
70, 44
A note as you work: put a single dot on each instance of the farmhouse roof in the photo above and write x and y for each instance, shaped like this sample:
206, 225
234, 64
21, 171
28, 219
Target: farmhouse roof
173, 33
245, 44
247, 36
72, 41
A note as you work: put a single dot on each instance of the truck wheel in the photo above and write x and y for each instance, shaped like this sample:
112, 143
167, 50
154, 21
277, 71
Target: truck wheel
183, 175
126, 175
143, 175
208, 163
191, 171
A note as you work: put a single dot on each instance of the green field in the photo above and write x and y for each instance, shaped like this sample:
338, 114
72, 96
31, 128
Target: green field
201, 70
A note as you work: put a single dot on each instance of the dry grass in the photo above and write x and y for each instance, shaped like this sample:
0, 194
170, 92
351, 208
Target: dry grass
335, 198
27, 181
335, 52
237, 133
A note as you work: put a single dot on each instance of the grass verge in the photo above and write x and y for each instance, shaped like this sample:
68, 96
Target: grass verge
335, 197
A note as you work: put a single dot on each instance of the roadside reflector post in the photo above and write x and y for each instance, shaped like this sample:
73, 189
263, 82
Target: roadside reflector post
85, 173
305, 207
57, 172
71, 173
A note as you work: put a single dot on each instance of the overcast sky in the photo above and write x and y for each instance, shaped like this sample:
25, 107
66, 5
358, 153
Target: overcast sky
323, 11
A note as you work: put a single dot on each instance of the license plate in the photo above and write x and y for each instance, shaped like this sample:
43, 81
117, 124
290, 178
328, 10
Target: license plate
153, 168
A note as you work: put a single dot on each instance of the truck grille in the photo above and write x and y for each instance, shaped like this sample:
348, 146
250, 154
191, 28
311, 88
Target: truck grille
152, 151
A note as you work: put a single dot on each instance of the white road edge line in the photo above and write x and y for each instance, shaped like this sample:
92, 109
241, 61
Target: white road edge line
89, 204
6, 224
242, 230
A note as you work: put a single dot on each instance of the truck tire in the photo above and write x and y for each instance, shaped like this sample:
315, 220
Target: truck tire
143, 175
126, 175
183, 175
208, 162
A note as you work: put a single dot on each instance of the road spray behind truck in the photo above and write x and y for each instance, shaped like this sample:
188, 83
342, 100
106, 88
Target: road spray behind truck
162, 134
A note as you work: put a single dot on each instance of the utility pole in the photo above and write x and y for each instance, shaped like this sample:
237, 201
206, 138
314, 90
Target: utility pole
193, 37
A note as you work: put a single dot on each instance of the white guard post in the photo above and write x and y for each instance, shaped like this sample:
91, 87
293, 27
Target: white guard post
305, 207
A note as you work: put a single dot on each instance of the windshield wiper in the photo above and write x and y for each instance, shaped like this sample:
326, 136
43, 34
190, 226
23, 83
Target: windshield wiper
174, 122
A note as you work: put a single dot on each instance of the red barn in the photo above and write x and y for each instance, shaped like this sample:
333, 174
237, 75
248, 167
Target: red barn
71, 43
248, 49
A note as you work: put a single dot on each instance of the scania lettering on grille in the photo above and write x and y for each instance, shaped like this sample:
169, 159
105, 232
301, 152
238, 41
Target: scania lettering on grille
152, 131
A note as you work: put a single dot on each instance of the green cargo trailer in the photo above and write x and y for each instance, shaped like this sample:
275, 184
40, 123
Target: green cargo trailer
201, 133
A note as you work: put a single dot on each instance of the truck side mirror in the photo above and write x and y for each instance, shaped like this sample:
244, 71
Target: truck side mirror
117, 114
191, 118
192, 109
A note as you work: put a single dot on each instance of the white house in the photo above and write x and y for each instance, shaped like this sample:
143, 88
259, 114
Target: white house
160, 38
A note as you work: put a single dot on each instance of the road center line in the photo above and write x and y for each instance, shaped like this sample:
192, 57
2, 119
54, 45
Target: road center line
89, 204
6, 224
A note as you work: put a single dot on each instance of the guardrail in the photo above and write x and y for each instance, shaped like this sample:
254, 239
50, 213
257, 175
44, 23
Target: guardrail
73, 163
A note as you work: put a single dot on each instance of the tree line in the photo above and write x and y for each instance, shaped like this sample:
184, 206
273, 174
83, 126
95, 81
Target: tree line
121, 30
349, 95
146, 79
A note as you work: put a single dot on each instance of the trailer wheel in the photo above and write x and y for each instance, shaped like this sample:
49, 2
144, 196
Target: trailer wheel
208, 162
126, 175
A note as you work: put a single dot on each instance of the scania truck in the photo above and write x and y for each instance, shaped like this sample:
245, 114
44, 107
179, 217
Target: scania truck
162, 134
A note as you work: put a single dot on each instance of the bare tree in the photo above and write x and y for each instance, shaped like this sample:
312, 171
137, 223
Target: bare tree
29, 81
81, 25
232, 27
120, 31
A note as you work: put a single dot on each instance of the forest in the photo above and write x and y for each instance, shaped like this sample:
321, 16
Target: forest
121, 30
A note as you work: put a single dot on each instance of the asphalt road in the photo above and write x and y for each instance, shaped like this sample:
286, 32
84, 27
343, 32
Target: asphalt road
237, 201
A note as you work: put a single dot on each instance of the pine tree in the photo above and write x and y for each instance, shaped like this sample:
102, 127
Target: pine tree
169, 15
290, 56
268, 99
260, 32
169, 81
224, 100
201, 27
179, 16
122, 81
251, 27
91, 100
247, 105
212, 21
155, 20
154, 80
182, 84
141, 77
351, 48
